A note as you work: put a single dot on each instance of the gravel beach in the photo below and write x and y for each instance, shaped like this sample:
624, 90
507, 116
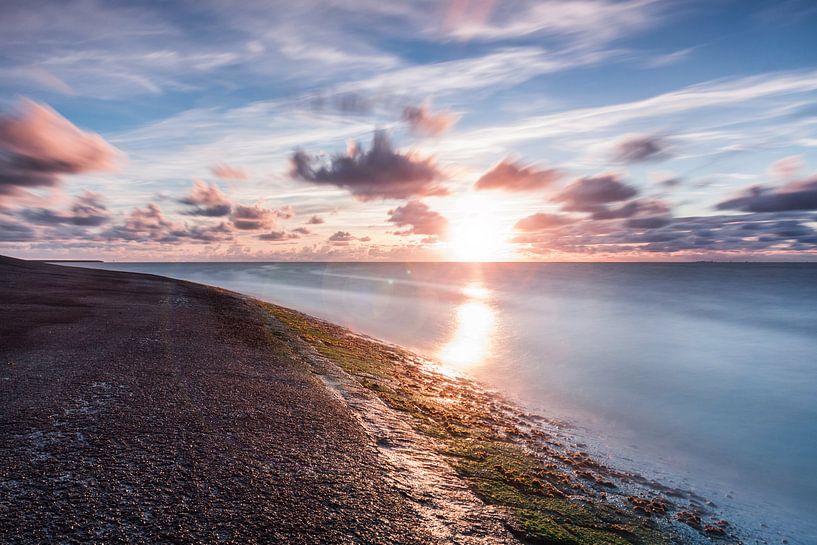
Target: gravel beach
140, 409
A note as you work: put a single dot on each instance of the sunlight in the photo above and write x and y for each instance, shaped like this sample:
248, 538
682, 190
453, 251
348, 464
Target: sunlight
472, 338
476, 234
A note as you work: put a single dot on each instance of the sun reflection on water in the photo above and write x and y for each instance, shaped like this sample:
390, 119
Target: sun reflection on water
471, 341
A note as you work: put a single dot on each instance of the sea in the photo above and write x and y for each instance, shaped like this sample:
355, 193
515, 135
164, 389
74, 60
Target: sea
702, 375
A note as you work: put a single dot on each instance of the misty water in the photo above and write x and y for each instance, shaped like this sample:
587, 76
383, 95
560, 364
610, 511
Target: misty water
703, 375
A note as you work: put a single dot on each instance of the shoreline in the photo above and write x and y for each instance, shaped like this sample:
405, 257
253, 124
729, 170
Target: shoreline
464, 462
513, 458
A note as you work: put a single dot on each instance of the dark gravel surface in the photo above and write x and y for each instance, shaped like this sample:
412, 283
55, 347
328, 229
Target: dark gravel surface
139, 409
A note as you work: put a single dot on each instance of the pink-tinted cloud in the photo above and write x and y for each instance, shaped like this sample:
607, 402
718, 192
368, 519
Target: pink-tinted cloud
424, 122
541, 222
227, 172
252, 217
380, 173
315, 220
258, 217
37, 145
419, 219
206, 200
285, 212
510, 176
787, 168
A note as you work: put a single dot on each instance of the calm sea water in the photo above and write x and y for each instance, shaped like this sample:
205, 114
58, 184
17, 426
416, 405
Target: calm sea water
704, 375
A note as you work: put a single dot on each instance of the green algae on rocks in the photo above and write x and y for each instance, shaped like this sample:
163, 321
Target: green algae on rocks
554, 495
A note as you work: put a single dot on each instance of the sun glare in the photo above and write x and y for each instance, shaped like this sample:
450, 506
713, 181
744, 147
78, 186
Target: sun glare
471, 340
476, 234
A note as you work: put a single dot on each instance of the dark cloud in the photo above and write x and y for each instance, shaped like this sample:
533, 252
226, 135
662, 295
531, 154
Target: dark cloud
587, 194
150, 225
419, 219
315, 220
38, 145
86, 211
341, 236
206, 200
277, 236
794, 196
227, 172
670, 183
302, 231
15, 232
629, 209
637, 149
510, 176
648, 223
700, 236
601, 212
540, 222
423, 121
380, 173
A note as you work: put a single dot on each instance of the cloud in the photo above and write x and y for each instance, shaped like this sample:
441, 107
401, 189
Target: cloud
380, 173
779, 86
639, 149
601, 212
15, 232
510, 176
252, 217
582, 22
540, 222
277, 236
38, 145
227, 172
302, 231
798, 195
419, 219
86, 211
206, 200
649, 223
713, 236
315, 220
150, 225
587, 194
350, 103
424, 122
341, 236
786, 168
285, 212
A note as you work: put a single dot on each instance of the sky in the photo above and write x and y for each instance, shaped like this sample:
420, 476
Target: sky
586, 130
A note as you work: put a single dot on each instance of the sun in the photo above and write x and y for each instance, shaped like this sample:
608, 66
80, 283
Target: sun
476, 233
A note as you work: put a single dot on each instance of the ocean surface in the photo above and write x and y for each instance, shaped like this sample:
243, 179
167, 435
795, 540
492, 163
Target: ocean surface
703, 375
